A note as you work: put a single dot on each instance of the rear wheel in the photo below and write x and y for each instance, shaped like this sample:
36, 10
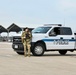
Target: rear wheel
63, 52
38, 50
20, 53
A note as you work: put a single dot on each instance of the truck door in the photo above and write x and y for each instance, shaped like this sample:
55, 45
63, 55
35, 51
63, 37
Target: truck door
60, 38
68, 38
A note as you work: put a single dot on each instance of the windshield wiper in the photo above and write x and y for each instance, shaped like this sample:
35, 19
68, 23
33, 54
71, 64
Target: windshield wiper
36, 32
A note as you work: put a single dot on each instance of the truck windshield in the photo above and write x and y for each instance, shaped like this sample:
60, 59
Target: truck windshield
41, 30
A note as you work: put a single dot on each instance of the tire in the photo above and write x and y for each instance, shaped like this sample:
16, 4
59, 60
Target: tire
62, 52
20, 53
38, 49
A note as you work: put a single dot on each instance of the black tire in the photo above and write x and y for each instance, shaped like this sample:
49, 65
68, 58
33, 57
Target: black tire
38, 49
20, 53
63, 52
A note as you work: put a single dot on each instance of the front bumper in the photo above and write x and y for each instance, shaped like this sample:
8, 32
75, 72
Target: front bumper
20, 48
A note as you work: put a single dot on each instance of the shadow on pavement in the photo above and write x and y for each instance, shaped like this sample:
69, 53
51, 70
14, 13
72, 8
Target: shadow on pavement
54, 55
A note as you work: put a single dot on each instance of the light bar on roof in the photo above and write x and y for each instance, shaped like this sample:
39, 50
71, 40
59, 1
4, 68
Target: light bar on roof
52, 24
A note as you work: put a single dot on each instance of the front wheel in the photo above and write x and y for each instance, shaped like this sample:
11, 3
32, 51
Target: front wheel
38, 50
62, 52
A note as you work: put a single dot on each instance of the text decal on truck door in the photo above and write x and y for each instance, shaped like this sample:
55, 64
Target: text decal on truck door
61, 42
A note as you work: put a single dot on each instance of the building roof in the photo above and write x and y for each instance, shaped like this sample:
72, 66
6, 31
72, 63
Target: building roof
14, 28
2, 29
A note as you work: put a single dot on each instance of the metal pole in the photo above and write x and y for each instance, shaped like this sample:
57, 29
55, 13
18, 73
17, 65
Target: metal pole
8, 35
0, 36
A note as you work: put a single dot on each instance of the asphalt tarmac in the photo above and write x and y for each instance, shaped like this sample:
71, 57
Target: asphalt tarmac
51, 63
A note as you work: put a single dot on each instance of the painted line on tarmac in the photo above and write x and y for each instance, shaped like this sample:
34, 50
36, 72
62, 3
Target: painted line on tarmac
6, 55
4, 48
74, 51
6, 43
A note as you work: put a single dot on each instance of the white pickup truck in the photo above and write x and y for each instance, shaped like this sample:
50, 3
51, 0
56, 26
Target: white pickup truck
51, 37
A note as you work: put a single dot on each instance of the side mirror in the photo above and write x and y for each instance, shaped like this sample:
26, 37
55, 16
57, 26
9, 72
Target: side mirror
52, 34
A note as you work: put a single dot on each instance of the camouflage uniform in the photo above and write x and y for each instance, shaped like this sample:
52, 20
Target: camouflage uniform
26, 42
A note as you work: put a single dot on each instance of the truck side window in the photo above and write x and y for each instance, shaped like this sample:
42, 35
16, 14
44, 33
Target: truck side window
61, 31
55, 31
66, 31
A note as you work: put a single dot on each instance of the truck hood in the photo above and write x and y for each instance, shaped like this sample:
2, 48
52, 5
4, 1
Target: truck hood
38, 36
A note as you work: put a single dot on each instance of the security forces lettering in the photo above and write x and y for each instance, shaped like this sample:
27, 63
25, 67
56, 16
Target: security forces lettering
61, 42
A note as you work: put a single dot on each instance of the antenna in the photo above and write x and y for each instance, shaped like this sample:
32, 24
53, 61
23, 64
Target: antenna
64, 17
64, 21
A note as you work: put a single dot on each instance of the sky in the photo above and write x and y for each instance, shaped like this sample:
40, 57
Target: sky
38, 12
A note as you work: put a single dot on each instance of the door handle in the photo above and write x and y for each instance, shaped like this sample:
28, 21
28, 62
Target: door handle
72, 37
61, 37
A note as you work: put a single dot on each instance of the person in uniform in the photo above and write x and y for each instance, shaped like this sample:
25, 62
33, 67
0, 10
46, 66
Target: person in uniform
26, 40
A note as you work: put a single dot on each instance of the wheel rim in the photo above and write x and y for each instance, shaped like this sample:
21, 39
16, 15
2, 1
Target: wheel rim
38, 50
